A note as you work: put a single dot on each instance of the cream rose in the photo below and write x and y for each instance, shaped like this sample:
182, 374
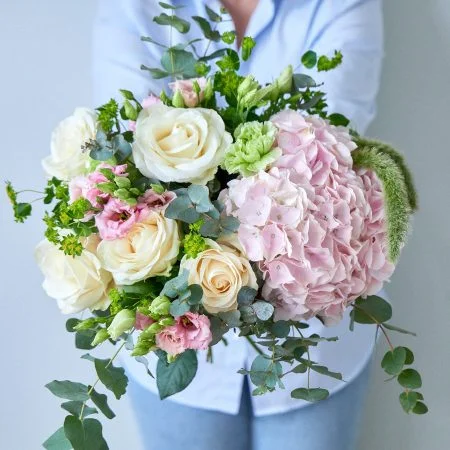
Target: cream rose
149, 249
77, 283
221, 272
67, 158
182, 145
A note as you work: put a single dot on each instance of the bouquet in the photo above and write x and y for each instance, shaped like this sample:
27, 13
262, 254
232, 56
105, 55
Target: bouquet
224, 205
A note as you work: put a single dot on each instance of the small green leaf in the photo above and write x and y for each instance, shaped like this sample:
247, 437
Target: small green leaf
337, 120
310, 395
71, 324
74, 407
84, 339
399, 330
409, 356
177, 285
179, 62
309, 59
167, 6
248, 43
408, 400
176, 376
394, 361
180, 25
113, 378
179, 308
420, 408
207, 31
22, 211
155, 72
101, 401
196, 294
410, 379
57, 441
213, 16
302, 81
280, 328
246, 295
325, 371
301, 368
231, 318
68, 390
263, 310
372, 309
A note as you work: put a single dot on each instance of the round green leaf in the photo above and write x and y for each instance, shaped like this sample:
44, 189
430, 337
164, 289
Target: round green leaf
280, 328
263, 310
420, 408
408, 400
410, 379
372, 309
309, 59
310, 395
394, 361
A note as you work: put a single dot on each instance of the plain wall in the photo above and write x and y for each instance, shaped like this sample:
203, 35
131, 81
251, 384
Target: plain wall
45, 73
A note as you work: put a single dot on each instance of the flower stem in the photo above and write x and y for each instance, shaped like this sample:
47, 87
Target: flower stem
254, 345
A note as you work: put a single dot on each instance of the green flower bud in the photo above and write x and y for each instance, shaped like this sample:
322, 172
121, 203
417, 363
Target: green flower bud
101, 336
178, 100
160, 306
167, 321
248, 85
122, 182
123, 321
253, 150
208, 92
154, 328
284, 81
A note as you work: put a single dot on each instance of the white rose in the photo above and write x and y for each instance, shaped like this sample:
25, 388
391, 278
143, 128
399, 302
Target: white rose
149, 249
77, 283
182, 145
221, 272
67, 158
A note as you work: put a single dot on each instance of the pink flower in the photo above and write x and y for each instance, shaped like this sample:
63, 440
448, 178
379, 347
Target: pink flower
314, 225
172, 340
186, 89
142, 321
196, 328
146, 103
155, 201
117, 218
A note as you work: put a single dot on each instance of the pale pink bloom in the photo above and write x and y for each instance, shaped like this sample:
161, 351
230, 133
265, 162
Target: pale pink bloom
155, 201
117, 218
186, 89
314, 225
197, 330
142, 321
172, 340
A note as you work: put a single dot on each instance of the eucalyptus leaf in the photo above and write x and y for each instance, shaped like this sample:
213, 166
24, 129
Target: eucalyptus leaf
57, 441
176, 376
181, 25
84, 339
410, 379
74, 407
420, 408
101, 401
112, 377
68, 390
393, 361
280, 328
302, 81
310, 395
155, 72
84, 435
212, 15
231, 318
179, 62
246, 295
179, 308
372, 309
208, 32
325, 371
408, 400
309, 59
263, 310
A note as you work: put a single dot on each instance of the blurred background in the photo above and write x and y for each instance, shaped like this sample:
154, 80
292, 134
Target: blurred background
45, 73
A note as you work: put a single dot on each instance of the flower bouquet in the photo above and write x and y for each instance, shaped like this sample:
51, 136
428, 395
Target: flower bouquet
226, 205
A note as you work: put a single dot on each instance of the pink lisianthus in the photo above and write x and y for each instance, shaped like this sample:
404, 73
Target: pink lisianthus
186, 89
314, 225
142, 321
196, 329
155, 201
172, 340
146, 103
117, 218
86, 186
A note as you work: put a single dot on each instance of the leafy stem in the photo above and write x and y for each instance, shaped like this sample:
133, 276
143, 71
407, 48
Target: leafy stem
254, 345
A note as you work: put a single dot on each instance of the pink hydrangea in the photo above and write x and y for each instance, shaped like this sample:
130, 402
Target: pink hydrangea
190, 331
118, 217
314, 225
186, 89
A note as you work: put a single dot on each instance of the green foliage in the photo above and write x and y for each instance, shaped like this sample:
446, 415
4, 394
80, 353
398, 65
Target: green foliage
395, 193
372, 309
325, 64
57, 441
309, 59
247, 46
175, 376
179, 63
310, 394
398, 159
212, 15
78, 409
265, 373
68, 390
107, 115
113, 378
228, 37
338, 120
101, 401
84, 434
181, 25
208, 32
193, 242
21, 210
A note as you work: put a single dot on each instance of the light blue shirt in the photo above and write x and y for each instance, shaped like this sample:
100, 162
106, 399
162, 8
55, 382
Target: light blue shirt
283, 30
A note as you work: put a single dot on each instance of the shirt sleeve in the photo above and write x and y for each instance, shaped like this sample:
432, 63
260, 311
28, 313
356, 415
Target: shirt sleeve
118, 52
356, 29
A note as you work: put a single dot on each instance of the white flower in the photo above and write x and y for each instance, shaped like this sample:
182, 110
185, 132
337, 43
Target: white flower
149, 249
182, 145
77, 283
67, 158
221, 272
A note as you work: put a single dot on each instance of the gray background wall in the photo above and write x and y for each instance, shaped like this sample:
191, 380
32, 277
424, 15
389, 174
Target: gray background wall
45, 57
